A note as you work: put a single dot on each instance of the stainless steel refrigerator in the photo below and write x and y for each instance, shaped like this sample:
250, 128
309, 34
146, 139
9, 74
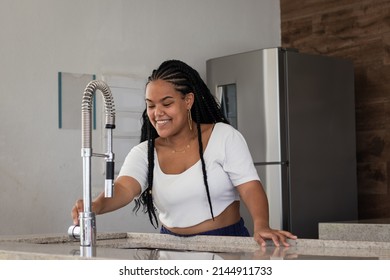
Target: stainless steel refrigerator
297, 113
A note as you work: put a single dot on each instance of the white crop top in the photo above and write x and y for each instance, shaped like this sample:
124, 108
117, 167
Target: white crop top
181, 199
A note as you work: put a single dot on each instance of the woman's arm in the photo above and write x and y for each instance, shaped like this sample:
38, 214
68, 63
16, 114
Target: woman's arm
255, 199
125, 190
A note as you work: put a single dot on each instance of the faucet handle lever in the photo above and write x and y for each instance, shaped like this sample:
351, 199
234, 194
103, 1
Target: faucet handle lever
74, 232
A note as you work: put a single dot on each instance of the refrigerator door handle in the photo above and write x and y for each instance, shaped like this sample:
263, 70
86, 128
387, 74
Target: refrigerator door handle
271, 163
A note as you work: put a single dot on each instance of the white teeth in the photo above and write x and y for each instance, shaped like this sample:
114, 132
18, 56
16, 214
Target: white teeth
161, 122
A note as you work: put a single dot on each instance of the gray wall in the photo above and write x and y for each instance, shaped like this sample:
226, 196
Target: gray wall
40, 164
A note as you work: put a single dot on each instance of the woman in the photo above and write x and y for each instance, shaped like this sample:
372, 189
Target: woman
191, 167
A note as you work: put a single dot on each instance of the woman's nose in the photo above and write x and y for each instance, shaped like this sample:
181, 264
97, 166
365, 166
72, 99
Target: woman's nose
158, 111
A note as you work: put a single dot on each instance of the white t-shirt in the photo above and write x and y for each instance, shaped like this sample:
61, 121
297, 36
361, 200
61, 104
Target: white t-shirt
181, 199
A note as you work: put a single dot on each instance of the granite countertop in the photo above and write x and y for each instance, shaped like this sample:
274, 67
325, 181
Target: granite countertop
145, 246
361, 230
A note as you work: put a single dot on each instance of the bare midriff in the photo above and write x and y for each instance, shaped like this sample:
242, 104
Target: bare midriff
229, 216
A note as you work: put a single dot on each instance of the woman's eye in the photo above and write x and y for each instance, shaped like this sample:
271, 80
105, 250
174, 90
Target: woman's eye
168, 104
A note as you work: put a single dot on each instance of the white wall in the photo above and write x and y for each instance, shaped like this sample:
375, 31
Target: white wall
40, 164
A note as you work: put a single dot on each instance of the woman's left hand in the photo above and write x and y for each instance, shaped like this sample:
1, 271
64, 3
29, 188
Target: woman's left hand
277, 236
255, 199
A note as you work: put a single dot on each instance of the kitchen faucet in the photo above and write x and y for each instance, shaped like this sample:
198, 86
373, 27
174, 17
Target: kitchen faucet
86, 232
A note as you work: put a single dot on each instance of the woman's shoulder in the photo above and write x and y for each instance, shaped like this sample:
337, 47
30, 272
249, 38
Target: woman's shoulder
140, 148
221, 133
227, 132
218, 129
224, 128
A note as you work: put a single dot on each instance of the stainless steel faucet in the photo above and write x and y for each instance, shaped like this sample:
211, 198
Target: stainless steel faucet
86, 232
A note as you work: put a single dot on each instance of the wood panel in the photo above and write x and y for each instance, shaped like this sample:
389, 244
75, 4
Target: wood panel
359, 31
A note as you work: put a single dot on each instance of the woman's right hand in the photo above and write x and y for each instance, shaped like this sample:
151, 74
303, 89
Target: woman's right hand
79, 207
76, 210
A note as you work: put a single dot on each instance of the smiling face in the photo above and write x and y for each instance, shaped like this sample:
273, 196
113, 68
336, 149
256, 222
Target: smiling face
167, 108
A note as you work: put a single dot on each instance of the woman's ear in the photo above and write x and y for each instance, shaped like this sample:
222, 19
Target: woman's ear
190, 97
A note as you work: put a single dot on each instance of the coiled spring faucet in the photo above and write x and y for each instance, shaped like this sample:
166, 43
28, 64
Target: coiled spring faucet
87, 229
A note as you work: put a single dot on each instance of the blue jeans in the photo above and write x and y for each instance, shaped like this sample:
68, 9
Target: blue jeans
237, 229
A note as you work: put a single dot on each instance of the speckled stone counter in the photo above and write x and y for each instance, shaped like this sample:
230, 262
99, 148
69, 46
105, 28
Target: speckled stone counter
364, 230
145, 246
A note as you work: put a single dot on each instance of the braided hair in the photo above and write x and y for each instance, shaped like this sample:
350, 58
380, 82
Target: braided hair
205, 110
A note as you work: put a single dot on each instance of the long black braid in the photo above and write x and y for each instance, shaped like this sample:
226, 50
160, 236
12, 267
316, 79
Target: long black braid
205, 110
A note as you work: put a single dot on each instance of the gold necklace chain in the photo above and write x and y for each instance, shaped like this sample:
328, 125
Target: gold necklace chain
183, 150
173, 151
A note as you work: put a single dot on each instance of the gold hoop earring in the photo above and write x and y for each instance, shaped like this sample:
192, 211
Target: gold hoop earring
189, 116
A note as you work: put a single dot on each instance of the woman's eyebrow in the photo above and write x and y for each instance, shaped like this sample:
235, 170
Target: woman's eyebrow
162, 99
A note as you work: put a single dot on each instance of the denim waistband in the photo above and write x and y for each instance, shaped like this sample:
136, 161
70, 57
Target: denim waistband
237, 229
